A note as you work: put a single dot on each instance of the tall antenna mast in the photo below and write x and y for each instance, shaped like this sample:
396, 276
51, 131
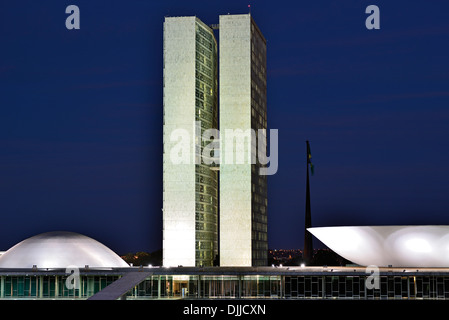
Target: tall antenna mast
308, 245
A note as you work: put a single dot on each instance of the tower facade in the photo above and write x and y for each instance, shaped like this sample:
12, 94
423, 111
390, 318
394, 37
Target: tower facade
190, 187
243, 111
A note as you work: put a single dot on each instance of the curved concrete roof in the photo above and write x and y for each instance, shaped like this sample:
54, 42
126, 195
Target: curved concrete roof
399, 246
60, 249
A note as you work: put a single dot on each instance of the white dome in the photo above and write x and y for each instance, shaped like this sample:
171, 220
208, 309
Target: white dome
399, 246
60, 249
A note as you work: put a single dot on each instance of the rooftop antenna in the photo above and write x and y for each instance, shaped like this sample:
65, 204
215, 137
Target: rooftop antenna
249, 9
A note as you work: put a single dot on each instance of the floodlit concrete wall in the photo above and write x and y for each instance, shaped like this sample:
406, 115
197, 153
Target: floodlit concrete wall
179, 114
235, 113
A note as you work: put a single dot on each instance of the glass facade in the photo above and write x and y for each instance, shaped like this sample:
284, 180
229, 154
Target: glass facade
259, 197
240, 286
190, 186
208, 286
51, 286
291, 287
206, 192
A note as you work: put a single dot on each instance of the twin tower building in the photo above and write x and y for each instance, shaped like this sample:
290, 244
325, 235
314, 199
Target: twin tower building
214, 211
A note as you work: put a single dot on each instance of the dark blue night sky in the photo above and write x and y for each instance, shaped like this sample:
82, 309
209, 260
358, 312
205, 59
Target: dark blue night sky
81, 115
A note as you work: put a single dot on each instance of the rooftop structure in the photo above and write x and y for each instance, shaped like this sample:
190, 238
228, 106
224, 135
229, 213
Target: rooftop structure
60, 249
398, 246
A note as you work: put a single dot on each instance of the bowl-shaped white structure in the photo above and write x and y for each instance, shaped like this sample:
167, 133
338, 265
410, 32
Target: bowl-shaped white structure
60, 249
399, 246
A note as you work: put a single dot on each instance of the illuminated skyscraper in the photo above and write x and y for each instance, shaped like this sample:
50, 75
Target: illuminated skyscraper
190, 194
190, 187
243, 106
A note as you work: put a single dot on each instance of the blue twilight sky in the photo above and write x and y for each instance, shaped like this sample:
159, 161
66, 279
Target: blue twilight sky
81, 115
